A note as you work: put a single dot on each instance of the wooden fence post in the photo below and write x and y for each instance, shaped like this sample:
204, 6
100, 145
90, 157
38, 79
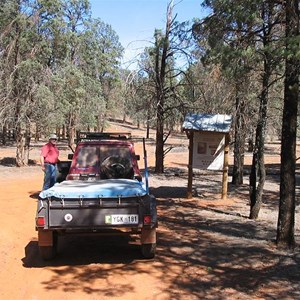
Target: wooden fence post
190, 166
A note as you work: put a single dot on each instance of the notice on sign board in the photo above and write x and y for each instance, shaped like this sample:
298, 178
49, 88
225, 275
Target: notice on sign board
208, 151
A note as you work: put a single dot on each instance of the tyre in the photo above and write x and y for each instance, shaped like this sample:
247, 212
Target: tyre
148, 250
49, 252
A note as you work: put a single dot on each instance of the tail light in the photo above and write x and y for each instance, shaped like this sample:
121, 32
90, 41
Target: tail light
147, 220
40, 222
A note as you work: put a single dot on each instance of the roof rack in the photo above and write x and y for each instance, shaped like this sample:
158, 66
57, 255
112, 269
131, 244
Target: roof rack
103, 136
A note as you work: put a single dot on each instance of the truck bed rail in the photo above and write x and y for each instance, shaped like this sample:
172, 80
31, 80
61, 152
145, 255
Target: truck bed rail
96, 136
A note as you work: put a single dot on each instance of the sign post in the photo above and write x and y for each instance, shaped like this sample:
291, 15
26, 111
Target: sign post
225, 168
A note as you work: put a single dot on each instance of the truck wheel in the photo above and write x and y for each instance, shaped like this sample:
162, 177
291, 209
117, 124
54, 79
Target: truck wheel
49, 252
148, 250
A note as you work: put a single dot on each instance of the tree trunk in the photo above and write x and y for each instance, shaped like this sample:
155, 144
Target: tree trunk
72, 131
286, 217
64, 132
159, 151
27, 144
57, 131
4, 134
148, 125
257, 178
20, 136
160, 76
37, 132
100, 123
20, 145
239, 145
258, 172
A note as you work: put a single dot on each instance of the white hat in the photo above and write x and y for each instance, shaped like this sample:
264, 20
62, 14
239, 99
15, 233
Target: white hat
53, 136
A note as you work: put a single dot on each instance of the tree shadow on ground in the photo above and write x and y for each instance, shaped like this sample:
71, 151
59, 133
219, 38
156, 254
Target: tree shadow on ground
11, 162
83, 261
167, 191
201, 254
218, 251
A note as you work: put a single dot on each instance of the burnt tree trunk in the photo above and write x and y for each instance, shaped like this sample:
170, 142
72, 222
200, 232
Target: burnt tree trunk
159, 150
162, 47
286, 217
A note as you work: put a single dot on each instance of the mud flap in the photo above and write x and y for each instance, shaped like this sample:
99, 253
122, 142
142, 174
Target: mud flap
45, 238
148, 236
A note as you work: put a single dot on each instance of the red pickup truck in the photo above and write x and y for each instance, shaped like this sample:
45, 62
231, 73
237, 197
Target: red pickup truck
103, 193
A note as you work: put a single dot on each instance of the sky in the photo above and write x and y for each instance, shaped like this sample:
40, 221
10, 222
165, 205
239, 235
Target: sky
134, 21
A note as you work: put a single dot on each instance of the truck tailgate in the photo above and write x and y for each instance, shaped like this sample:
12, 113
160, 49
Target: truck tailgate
92, 218
93, 213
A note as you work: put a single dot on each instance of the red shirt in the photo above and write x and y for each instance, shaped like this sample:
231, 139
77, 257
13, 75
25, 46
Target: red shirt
50, 153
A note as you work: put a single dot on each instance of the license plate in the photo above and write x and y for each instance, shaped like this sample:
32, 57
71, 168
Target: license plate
122, 219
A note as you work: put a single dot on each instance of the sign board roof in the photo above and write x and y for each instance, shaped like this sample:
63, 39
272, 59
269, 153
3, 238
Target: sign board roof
207, 122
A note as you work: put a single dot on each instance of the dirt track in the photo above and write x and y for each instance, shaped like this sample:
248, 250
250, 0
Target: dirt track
207, 248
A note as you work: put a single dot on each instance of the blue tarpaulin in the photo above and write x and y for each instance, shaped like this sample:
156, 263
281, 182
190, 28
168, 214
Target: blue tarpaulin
106, 188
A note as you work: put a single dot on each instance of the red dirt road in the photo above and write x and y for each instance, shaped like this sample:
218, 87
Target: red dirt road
207, 248
87, 268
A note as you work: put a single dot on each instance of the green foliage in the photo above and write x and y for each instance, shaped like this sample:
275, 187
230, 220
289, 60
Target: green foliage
243, 38
78, 95
55, 63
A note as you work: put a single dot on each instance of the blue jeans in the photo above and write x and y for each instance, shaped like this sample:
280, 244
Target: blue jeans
49, 176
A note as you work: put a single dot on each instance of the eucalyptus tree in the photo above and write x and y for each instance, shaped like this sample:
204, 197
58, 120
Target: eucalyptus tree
21, 69
80, 99
101, 53
73, 49
70, 100
75, 14
42, 40
88, 49
30, 35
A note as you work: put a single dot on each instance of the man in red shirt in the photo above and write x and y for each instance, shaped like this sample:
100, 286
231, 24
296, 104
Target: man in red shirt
49, 159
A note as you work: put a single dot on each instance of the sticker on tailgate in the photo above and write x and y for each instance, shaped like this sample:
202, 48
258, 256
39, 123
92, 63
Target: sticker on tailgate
121, 219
